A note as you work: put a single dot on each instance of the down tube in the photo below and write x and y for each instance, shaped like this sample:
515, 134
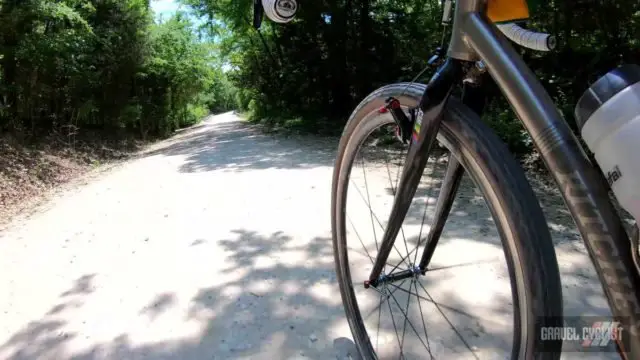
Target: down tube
582, 187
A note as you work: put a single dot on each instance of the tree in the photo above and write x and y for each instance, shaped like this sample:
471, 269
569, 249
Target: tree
69, 65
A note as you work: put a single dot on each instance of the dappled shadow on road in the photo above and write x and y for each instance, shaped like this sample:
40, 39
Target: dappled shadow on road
275, 296
45, 338
280, 300
284, 305
470, 219
469, 210
281, 307
236, 146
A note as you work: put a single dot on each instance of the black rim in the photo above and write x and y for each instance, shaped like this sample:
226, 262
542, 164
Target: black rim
389, 291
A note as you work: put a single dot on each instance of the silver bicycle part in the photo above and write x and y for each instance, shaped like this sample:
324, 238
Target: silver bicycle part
460, 49
475, 37
527, 38
446, 13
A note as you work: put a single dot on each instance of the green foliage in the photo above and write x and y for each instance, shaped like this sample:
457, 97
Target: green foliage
103, 64
221, 93
335, 52
500, 118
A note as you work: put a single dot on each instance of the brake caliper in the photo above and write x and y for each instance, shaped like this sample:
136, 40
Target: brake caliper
404, 123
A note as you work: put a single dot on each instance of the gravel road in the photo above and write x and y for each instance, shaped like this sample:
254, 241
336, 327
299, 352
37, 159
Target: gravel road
214, 244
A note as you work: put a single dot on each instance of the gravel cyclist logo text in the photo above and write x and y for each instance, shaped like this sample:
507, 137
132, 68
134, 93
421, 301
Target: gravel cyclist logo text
601, 333
596, 335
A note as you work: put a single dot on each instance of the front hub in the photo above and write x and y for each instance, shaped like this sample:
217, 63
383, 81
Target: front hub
393, 277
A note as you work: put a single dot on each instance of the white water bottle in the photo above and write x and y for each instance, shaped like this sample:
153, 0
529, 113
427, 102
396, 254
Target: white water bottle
608, 116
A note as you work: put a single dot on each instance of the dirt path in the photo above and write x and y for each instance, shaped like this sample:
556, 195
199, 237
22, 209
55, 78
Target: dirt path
212, 245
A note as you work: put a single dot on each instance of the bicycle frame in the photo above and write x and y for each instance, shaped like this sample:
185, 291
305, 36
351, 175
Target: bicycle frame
583, 188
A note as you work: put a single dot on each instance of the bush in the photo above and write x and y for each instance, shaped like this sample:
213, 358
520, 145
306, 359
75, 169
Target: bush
503, 121
104, 65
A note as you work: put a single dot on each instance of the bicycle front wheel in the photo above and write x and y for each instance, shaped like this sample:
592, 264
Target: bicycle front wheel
530, 283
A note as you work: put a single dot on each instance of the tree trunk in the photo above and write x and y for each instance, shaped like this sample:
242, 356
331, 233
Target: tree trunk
364, 77
337, 46
9, 66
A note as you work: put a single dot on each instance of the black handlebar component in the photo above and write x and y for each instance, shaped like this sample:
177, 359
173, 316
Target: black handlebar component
258, 13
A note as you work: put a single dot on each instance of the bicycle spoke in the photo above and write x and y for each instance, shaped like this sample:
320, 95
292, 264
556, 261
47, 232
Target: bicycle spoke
364, 173
388, 295
401, 260
406, 309
378, 330
424, 215
412, 217
448, 191
438, 304
450, 323
365, 255
424, 326
359, 238
409, 321
367, 251
379, 223
386, 160
462, 265
401, 156
394, 323
393, 191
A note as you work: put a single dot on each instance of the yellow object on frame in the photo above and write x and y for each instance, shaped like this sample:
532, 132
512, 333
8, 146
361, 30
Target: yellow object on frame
507, 10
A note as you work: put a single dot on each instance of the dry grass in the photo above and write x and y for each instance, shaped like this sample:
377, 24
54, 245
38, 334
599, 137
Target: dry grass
31, 169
